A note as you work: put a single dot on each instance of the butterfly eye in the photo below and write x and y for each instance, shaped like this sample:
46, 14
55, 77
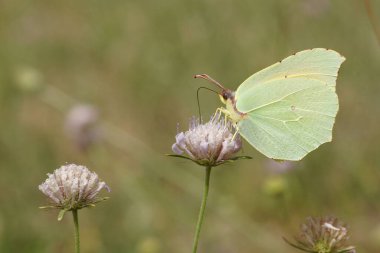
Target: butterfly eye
225, 95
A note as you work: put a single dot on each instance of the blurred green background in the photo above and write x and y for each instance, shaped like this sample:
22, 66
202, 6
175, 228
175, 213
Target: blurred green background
134, 62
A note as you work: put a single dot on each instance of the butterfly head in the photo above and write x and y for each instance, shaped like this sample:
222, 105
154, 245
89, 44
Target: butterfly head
226, 95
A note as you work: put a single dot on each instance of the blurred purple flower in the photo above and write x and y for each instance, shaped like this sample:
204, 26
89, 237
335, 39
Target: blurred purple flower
315, 8
82, 127
280, 167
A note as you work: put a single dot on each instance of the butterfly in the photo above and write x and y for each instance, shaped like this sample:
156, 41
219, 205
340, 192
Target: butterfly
288, 109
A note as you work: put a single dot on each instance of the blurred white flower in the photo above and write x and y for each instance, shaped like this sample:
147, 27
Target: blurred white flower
82, 127
29, 79
73, 187
208, 144
275, 186
149, 245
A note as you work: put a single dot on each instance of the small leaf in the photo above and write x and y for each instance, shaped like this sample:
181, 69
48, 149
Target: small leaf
350, 249
206, 162
46, 207
100, 200
180, 156
61, 214
239, 158
200, 162
296, 246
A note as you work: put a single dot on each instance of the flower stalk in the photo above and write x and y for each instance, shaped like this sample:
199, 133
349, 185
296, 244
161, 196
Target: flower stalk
209, 145
76, 233
202, 209
70, 188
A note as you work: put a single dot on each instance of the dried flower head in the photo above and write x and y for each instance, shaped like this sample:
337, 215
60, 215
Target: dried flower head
73, 187
323, 235
209, 144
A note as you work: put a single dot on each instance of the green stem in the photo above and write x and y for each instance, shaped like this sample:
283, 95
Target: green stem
202, 210
372, 19
76, 235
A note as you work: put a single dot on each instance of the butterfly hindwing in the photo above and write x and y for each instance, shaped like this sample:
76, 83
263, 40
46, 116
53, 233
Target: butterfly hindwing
291, 127
291, 106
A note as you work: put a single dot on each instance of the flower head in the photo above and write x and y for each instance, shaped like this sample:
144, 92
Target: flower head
323, 235
73, 187
208, 144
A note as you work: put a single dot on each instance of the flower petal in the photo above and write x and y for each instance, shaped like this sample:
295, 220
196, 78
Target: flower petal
176, 149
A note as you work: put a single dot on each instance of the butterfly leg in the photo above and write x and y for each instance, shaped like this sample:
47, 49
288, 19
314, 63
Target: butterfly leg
225, 119
226, 115
236, 132
218, 113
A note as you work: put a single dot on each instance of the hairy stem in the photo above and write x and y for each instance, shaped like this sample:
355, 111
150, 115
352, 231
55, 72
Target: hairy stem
202, 209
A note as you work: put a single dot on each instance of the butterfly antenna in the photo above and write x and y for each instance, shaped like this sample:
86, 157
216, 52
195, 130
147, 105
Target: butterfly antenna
208, 78
199, 104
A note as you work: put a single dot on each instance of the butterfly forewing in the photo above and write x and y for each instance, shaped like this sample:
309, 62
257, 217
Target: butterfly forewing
318, 64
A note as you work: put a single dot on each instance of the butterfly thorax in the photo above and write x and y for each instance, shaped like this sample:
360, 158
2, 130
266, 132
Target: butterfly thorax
228, 98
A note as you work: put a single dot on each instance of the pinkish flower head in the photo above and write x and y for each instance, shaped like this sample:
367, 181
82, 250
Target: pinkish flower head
73, 187
208, 144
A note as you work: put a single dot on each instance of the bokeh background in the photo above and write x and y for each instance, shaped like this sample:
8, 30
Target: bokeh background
105, 83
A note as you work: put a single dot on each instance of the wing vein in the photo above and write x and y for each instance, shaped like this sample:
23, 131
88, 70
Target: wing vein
295, 136
320, 113
272, 137
311, 136
282, 99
